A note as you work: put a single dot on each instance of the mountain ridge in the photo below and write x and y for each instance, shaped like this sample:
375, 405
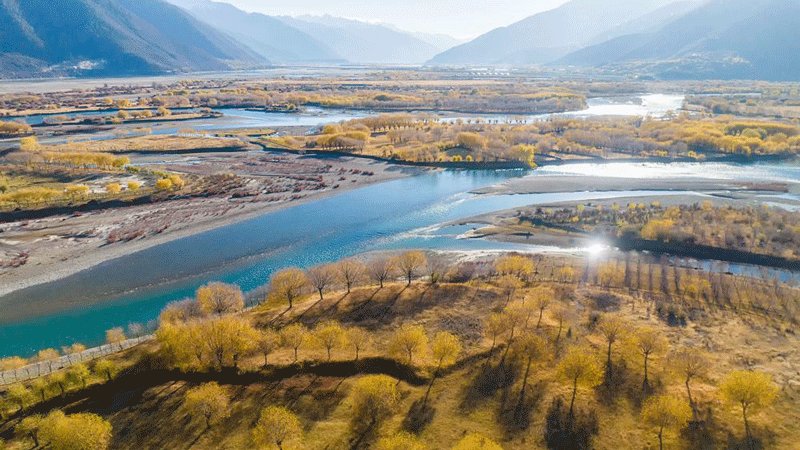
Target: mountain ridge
545, 36
268, 36
104, 37
721, 39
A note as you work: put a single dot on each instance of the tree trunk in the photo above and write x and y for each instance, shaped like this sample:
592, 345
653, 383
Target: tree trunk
295, 353
746, 426
329, 353
320, 294
691, 401
572, 402
265, 360
661, 438
357, 353
645, 383
539, 322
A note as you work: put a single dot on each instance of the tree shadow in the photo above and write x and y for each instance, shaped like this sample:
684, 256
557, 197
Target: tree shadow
566, 431
308, 319
516, 416
761, 439
317, 405
486, 383
370, 312
419, 416
616, 383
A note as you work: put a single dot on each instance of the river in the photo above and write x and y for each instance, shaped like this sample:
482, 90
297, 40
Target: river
406, 213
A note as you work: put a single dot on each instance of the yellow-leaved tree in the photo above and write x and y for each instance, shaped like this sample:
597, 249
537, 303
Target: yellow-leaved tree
649, 341
106, 369
277, 427
445, 348
516, 265
329, 334
268, 341
530, 347
293, 336
579, 368
209, 402
81, 431
409, 340
749, 390
375, 399
665, 411
220, 298
359, 339
287, 284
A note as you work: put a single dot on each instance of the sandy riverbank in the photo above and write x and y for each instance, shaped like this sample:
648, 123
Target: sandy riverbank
500, 225
572, 183
60, 246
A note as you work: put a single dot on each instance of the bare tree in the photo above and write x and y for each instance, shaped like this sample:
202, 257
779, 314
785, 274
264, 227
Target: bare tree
380, 269
321, 277
350, 271
410, 263
435, 266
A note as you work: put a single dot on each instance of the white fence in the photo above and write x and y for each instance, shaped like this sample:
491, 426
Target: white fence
44, 368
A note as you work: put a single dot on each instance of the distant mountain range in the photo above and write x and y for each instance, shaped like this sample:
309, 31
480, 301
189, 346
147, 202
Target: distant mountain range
667, 39
720, 39
270, 37
43, 38
363, 42
326, 38
111, 37
547, 36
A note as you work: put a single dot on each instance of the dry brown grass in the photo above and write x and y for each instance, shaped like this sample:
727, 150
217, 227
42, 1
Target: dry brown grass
156, 143
154, 419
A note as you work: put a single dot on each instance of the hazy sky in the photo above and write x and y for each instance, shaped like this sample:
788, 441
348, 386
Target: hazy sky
459, 18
